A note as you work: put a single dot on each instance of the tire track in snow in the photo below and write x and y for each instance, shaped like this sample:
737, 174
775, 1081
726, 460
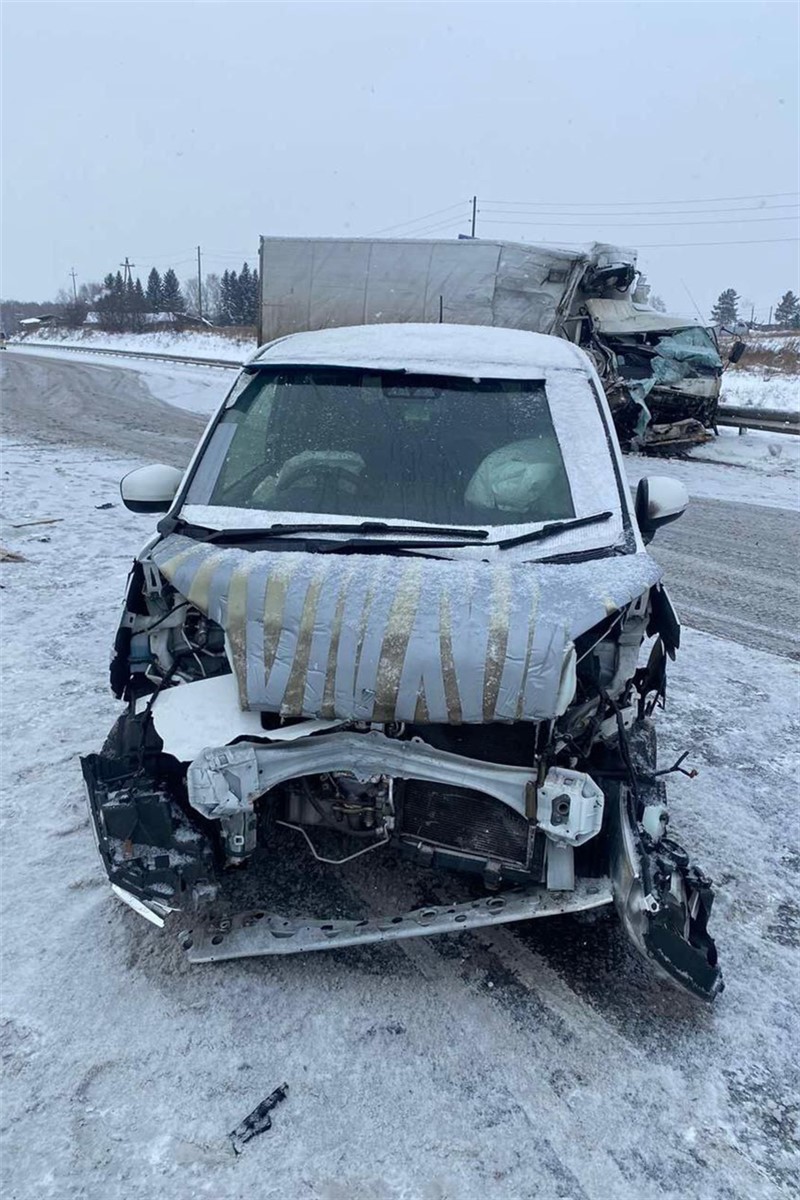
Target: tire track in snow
605, 1119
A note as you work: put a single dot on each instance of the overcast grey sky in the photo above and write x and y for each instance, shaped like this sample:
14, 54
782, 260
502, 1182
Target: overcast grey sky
145, 129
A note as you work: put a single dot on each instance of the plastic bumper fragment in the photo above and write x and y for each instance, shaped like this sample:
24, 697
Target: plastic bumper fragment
664, 903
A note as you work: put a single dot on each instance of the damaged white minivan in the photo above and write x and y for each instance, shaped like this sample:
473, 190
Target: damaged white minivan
397, 619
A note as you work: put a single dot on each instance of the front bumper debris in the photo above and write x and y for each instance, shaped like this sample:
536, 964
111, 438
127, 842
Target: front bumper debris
663, 901
255, 933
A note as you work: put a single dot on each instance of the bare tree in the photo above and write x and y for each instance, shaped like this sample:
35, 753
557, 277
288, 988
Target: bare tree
211, 289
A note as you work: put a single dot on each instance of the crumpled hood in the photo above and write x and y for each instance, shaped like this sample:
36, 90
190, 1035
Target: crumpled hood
382, 638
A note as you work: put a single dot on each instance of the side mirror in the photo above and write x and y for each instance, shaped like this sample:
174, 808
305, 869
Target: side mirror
736, 351
659, 500
150, 489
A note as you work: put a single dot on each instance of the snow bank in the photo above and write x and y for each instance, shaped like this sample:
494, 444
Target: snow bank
203, 343
197, 389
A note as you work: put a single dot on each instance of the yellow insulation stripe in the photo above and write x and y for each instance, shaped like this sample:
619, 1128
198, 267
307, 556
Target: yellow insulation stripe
295, 688
452, 696
395, 642
497, 643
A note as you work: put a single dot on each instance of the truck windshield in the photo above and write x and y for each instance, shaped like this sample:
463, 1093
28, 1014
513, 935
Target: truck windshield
368, 443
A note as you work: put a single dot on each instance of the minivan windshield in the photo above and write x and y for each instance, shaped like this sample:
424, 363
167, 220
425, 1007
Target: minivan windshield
386, 444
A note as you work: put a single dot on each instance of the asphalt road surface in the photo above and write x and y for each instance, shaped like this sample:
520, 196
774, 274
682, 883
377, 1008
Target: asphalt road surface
78, 404
732, 569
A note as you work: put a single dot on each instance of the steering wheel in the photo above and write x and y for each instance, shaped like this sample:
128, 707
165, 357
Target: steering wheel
318, 476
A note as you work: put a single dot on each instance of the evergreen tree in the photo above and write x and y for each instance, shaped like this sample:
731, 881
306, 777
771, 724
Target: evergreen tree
111, 303
138, 306
223, 307
155, 292
787, 314
229, 298
726, 310
173, 298
658, 304
255, 299
239, 296
233, 294
235, 299
243, 307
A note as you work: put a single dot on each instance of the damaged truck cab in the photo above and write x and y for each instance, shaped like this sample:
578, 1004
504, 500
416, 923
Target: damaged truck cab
399, 616
662, 374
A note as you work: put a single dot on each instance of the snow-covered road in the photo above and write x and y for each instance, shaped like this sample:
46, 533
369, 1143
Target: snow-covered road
525, 1063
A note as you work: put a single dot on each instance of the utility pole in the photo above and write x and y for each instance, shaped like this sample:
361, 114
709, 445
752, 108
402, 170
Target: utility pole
769, 318
74, 288
474, 213
128, 267
199, 287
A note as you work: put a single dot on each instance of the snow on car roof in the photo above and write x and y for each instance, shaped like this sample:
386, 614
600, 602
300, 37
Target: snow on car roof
478, 351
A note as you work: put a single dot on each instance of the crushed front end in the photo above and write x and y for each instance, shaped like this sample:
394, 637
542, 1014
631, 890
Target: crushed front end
296, 719
662, 378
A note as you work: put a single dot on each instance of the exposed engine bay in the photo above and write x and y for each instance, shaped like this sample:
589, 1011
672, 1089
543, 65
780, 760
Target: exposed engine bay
548, 816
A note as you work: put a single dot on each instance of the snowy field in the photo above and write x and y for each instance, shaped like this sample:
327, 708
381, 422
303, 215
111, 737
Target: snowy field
755, 387
541, 1063
767, 376
204, 344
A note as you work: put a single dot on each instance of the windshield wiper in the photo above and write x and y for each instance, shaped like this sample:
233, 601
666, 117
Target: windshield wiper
369, 527
177, 525
546, 531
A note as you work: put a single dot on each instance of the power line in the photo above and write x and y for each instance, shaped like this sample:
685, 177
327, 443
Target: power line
452, 223
615, 224
627, 203
426, 217
157, 258
747, 242
680, 245
666, 212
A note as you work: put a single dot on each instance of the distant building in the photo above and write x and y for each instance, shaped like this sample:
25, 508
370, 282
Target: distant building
28, 324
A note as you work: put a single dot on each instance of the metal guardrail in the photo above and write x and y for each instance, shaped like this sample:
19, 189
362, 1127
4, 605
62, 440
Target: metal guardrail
158, 356
767, 420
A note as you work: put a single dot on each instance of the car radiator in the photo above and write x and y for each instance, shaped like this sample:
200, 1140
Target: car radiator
465, 821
